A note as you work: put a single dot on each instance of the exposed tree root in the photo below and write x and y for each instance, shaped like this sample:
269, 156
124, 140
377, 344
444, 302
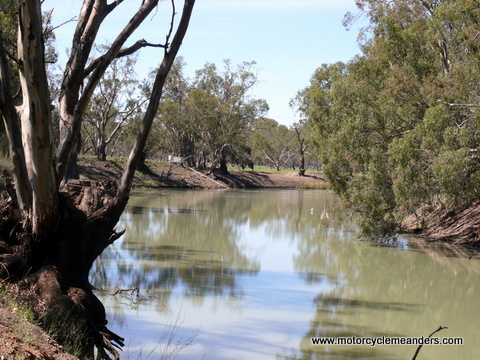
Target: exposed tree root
458, 228
56, 269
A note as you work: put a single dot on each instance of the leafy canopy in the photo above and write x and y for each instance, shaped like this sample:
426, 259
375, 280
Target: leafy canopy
398, 124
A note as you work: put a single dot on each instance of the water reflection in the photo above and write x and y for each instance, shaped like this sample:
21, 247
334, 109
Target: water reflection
259, 275
389, 291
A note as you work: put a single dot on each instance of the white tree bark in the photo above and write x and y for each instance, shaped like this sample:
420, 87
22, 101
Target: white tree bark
37, 177
35, 119
14, 134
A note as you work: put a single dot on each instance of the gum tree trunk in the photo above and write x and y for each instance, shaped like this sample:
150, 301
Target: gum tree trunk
301, 151
53, 229
36, 130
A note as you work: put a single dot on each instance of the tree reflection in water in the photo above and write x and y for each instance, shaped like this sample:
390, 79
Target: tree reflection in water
384, 290
259, 266
170, 247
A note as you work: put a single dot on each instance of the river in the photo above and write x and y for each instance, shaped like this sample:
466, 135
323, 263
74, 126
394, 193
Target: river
255, 274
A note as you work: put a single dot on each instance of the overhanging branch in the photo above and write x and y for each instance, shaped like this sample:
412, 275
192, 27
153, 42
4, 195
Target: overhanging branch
51, 30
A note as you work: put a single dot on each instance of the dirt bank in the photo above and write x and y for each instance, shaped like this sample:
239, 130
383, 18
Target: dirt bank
20, 339
460, 228
165, 175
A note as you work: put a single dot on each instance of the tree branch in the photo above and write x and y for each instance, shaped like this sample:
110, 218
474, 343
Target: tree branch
51, 30
73, 128
14, 134
125, 116
124, 52
429, 336
126, 183
89, 21
167, 39
110, 7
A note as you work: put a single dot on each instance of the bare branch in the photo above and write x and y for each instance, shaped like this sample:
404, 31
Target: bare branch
124, 52
167, 39
73, 129
113, 5
125, 116
89, 21
429, 336
48, 31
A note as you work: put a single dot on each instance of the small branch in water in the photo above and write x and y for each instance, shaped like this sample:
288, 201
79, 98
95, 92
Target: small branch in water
131, 291
429, 336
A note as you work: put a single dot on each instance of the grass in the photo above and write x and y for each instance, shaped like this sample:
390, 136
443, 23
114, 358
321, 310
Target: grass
59, 329
66, 331
268, 169
309, 185
15, 304
22, 324
169, 343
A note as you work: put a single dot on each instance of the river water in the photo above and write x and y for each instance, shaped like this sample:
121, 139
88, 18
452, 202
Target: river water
255, 274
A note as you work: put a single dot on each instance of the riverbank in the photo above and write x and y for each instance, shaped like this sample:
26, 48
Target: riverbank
460, 228
440, 226
157, 174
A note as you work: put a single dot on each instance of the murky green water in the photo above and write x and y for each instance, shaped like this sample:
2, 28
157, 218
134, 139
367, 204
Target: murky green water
253, 275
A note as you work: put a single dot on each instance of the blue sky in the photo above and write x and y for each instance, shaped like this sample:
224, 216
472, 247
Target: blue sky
288, 39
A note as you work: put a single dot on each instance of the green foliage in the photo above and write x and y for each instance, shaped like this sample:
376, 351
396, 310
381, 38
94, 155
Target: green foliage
273, 143
209, 118
116, 106
397, 127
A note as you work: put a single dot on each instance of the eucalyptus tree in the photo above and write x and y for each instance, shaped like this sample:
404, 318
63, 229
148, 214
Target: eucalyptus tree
302, 146
53, 230
174, 120
225, 110
398, 124
273, 143
115, 103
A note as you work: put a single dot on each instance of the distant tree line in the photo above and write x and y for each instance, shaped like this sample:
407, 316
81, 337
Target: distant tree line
210, 121
398, 125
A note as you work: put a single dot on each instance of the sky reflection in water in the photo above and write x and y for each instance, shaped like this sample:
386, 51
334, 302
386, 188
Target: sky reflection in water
253, 275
